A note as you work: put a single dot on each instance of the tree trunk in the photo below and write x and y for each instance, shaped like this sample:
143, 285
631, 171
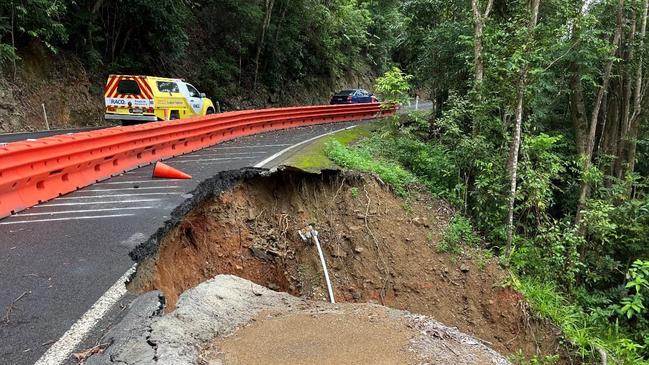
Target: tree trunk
13, 39
479, 20
590, 142
281, 20
516, 140
578, 109
260, 46
624, 125
634, 124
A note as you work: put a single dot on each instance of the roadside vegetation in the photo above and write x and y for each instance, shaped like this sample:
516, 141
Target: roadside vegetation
589, 276
598, 305
228, 48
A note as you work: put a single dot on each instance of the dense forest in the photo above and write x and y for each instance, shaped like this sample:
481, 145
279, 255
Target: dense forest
538, 133
224, 46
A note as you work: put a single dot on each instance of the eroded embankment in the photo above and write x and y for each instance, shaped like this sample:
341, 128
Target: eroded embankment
378, 247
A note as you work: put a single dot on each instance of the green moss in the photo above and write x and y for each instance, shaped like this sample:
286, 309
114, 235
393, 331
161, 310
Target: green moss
313, 156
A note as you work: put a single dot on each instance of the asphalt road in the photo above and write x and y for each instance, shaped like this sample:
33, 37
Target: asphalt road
58, 258
13, 137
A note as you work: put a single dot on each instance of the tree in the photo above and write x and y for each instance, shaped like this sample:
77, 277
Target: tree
590, 139
479, 19
516, 140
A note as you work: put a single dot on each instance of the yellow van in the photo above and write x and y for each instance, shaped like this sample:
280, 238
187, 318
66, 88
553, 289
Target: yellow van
138, 99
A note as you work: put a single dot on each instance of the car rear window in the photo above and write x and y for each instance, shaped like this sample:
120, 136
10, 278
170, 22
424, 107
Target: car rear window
167, 87
345, 92
128, 87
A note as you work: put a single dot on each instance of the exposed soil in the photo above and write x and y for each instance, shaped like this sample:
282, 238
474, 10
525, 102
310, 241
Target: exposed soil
58, 81
307, 338
379, 248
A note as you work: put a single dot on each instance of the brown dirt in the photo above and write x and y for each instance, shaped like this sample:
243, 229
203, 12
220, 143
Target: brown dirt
58, 81
348, 336
378, 248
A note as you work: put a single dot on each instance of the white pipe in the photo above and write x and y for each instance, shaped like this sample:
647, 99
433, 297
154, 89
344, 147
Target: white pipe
47, 124
324, 266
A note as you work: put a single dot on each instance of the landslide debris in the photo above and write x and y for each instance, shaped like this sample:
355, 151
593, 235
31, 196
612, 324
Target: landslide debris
379, 249
234, 321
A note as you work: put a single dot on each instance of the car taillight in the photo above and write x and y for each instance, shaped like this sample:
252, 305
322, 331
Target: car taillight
349, 98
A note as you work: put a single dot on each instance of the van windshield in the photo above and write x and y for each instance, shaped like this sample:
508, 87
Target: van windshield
128, 87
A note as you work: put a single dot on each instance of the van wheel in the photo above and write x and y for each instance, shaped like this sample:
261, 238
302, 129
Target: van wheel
209, 111
174, 114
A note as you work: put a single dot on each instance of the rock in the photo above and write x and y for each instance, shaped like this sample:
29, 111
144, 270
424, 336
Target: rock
421, 221
339, 252
129, 337
260, 253
359, 249
464, 268
355, 228
251, 215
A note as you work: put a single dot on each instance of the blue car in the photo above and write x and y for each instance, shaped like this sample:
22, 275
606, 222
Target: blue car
353, 96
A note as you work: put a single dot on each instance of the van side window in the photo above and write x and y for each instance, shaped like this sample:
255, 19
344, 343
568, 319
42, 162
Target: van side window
167, 87
193, 92
128, 87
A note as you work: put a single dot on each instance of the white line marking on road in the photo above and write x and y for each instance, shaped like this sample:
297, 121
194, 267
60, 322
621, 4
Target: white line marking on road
216, 159
223, 154
131, 182
67, 219
111, 196
251, 146
60, 351
130, 189
84, 211
91, 203
271, 158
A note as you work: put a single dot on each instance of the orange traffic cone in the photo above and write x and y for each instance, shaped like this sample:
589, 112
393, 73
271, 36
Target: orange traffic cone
164, 171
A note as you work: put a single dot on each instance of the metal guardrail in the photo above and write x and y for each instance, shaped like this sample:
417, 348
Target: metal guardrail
35, 171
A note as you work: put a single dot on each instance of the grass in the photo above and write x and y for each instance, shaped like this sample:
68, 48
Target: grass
458, 234
582, 331
314, 158
363, 160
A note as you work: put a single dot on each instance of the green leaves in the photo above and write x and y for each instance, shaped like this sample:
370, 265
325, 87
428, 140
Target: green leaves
393, 87
32, 19
633, 305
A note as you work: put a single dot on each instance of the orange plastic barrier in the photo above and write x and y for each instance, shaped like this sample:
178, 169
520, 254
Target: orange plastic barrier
32, 172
